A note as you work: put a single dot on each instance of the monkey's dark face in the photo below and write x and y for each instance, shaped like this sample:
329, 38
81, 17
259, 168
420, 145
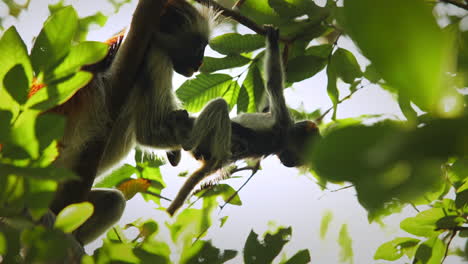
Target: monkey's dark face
188, 60
301, 136
182, 38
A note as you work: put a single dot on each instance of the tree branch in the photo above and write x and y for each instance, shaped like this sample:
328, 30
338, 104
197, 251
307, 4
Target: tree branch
456, 3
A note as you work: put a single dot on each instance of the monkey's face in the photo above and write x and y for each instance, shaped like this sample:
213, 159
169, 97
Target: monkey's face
301, 136
188, 60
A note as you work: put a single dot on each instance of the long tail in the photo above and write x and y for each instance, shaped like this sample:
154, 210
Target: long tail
205, 170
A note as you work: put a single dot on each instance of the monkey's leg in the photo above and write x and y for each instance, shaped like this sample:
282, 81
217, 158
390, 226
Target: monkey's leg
211, 134
109, 205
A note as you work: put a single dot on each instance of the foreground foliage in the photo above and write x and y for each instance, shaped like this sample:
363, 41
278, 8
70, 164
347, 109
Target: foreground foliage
391, 163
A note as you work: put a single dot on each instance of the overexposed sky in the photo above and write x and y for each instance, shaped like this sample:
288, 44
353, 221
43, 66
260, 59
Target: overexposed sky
276, 193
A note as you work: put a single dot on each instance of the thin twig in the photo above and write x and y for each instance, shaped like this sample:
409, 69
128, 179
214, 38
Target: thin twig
452, 235
254, 171
456, 3
158, 195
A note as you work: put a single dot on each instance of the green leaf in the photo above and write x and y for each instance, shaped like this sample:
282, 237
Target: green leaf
346, 245
23, 133
425, 223
371, 74
301, 257
191, 223
234, 43
321, 51
406, 108
204, 252
84, 53
260, 12
421, 60
195, 93
39, 195
395, 249
325, 223
346, 65
431, 251
290, 9
53, 43
85, 23
49, 127
265, 251
462, 199
115, 177
251, 92
303, 67
14, 52
73, 216
211, 64
58, 93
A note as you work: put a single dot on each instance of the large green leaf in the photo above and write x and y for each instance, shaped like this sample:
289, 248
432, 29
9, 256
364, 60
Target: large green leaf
265, 251
195, 93
84, 53
13, 54
211, 64
425, 223
404, 42
115, 177
235, 43
54, 41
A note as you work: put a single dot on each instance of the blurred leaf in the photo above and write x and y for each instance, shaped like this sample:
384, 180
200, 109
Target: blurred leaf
116, 253
49, 127
346, 245
346, 65
53, 43
303, 67
458, 172
14, 54
301, 257
23, 135
45, 245
73, 216
425, 223
461, 201
260, 12
204, 252
131, 187
39, 195
12, 190
251, 92
325, 223
191, 223
290, 9
422, 58
431, 251
395, 249
115, 177
406, 108
234, 43
195, 93
371, 74
223, 190
85, 23
58, 93
265, 251
211, 64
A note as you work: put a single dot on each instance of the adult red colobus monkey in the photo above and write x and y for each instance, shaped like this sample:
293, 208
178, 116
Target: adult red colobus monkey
130, 100
218, 141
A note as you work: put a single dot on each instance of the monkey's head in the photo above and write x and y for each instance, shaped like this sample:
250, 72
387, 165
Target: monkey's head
184, 33
298, 139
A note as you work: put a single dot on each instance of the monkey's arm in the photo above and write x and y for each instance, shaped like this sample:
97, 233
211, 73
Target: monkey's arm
128, 60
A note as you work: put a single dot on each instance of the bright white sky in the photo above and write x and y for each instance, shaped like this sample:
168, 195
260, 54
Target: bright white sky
275, 194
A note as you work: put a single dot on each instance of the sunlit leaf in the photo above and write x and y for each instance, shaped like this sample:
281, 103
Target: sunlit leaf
195, 93
131, 187
73, 216
425, 223
251, 92
395, 249
115, 177
53, 43
431, 251
325, 223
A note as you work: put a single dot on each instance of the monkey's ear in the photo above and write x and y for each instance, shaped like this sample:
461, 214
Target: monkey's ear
174, 157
